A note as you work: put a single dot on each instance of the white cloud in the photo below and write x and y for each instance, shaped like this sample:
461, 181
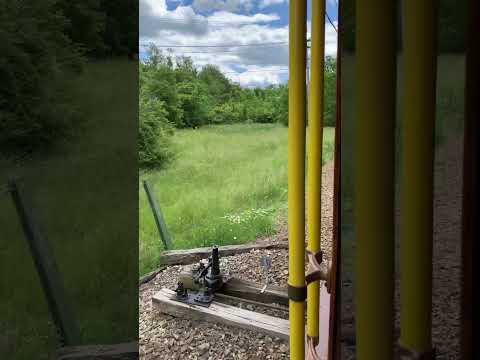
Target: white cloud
259, 76
155, 18
226, 5
233, 19
152, 7
260, 65
266, 3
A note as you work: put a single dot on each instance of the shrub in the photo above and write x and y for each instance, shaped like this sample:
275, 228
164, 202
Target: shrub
228, 113
154, 143
36, 58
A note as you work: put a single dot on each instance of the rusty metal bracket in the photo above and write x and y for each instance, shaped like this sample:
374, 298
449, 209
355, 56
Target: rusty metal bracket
315, 271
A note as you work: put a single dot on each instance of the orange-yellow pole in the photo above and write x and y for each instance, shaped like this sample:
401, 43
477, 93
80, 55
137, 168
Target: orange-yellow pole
296, 176
374, 121
315, 141
416, 231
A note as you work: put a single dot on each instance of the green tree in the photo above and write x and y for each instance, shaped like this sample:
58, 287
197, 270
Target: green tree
36, 58
330, 86
154, 141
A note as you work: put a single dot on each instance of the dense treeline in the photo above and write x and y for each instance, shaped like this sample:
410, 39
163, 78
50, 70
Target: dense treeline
175, 94
43, 43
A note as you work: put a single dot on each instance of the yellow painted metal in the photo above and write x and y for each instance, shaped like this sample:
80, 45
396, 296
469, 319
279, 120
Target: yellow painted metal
296, 171
315, 141
418, 124
373, 144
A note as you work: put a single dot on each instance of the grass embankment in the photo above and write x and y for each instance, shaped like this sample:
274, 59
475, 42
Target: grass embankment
84, 197
228, 185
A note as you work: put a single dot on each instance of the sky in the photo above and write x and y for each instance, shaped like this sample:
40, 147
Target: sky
246, 39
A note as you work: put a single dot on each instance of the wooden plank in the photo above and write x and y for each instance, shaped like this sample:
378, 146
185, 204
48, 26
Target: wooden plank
124, 351
161, 226
252, 291
221, 313
184, 257
47, 269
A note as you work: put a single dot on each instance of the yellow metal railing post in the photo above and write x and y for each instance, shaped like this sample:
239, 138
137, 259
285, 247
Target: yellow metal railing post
374, 121
418, 129
296, 176
314, 173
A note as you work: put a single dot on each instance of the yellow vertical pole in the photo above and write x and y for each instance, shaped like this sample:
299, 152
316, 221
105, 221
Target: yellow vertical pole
375, 74
315, 141
419, 71
296, 176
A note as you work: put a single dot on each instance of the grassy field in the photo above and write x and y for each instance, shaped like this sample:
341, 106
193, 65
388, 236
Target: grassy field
76, 192
227, 185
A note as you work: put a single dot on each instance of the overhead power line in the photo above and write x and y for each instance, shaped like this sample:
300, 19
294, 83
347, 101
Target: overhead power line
331, 22
216, 46
215, 22
253, 71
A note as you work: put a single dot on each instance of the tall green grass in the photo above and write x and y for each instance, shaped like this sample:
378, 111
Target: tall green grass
83, 194
228, 185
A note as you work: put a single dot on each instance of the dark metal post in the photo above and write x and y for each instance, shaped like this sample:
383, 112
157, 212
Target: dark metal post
47, 269
162, 228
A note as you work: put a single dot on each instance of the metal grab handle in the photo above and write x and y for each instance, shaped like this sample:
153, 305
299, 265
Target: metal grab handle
316, 271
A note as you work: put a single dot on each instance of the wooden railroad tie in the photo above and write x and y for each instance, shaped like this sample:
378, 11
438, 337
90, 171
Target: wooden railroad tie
190, 256
218, 312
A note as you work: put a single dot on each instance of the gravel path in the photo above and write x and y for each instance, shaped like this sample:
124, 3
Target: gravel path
446, 260
166, 337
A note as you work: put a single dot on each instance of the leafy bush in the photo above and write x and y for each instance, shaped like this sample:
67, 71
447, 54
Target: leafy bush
228, 113
281, 113
260, 111
330, 85
191, 101
36, 58
43, 44
154, 142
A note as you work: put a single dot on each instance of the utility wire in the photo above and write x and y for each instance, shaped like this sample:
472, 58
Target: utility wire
214, 22
331, 22
215, 46
252, 71
210, 52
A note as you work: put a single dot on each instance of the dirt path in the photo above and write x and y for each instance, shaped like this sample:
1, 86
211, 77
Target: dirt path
165, 337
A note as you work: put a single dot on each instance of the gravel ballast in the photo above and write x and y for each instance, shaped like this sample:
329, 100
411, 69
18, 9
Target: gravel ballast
446, 294
165, 337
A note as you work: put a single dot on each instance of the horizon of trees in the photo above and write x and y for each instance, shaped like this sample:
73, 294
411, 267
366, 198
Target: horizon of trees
174, 94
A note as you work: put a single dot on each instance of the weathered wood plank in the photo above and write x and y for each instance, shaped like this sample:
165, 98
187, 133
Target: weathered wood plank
252, 291
184, 257
221, 313
124, 351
